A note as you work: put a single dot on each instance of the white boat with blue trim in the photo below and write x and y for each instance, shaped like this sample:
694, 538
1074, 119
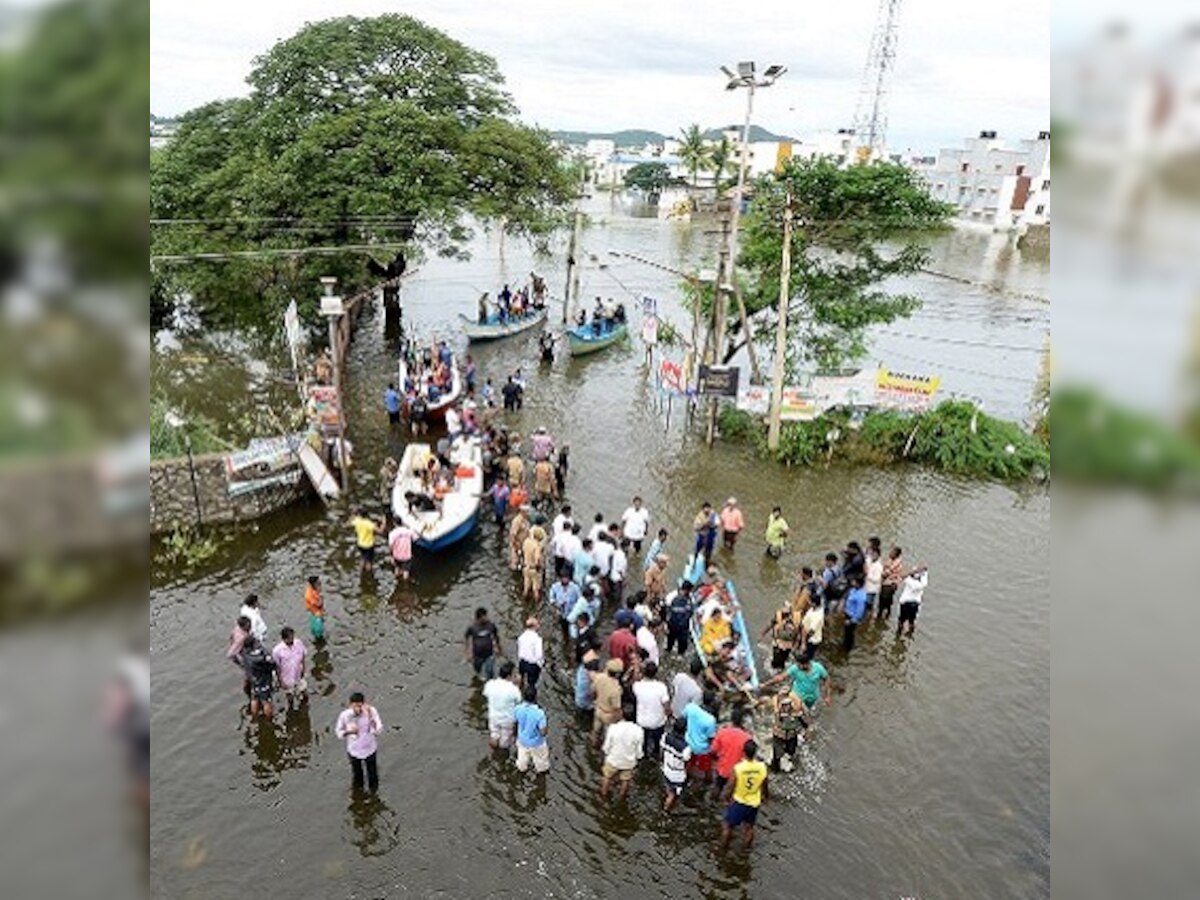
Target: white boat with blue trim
439, 516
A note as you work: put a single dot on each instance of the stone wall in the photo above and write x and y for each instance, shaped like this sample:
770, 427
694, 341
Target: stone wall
173, 501
1036, 237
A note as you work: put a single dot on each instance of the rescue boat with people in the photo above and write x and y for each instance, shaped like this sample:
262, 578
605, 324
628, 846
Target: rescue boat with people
443, 506
435, 410
494, 329
694, 572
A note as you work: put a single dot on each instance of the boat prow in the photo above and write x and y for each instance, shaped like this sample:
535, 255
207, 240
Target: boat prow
583, 340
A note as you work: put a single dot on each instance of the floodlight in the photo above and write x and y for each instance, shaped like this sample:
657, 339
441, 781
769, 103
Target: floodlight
746, 69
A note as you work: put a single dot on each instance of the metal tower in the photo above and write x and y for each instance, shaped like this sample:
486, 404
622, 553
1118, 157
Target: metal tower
870, 115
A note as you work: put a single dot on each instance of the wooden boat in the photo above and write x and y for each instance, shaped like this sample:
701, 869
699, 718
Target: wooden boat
694, 572
436, 411
457, 510
493, 329
583, 340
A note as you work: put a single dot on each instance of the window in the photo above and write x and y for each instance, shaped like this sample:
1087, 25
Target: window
1041, 210
1046, 185
1020, 170
966, 167
999, 167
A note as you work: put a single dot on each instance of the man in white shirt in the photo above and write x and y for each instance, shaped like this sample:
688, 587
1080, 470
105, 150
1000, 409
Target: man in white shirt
530, 653
598, 528
685, 688
453, 423
911, 593
623, 746
562, 522
653, 704
617, 568
502, 696
635, 523
647, 641
258, 627
569, 544
812, 629
602, 554
873, 582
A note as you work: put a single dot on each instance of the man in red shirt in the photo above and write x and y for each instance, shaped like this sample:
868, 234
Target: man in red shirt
622, 643
728, 747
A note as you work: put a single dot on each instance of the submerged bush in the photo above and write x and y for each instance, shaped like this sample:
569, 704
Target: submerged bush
954, 436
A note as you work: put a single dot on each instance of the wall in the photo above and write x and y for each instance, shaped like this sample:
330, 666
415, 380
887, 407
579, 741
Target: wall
173, 503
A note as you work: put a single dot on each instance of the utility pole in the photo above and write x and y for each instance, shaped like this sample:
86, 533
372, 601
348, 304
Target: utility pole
333, 310
572, 283
777, 372
724, 268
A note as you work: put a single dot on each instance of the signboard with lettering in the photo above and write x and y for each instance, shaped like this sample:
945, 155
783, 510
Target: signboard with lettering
898, 390
670, 377
865, 388
720, 381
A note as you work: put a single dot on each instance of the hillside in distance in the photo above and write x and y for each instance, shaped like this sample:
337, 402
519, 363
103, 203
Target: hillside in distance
637, 137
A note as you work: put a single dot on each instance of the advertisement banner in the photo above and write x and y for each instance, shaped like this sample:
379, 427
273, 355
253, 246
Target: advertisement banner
266, 462
900, 390
671, 378
323, 407
650, 331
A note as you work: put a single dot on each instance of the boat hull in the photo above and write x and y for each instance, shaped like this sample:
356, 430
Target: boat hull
494, 331
582, 342
450, 537
694, 573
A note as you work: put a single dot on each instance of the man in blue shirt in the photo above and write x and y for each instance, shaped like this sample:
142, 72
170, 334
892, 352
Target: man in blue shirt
582, 563
531, 733
855, 608
391, 402
701, 729
563, 596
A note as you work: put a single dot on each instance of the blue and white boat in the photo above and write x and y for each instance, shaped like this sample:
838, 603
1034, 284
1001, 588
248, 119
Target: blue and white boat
456, 511
494, 329
694, 572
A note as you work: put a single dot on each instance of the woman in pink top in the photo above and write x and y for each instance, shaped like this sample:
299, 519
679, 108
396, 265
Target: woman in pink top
732, 523
358, 726
400, 541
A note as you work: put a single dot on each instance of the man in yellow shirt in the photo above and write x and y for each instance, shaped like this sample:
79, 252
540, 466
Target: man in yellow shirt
746, 791
364, 538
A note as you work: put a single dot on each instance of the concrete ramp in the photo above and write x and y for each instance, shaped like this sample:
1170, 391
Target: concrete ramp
318, 473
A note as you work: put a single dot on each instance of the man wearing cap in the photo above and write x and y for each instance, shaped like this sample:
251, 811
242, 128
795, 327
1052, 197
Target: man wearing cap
705, 525
541, 445
518, 530
606, 688
530, 653
732, 523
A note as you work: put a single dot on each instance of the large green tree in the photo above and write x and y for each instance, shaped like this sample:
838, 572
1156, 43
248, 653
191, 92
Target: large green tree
651, 178
854, 228
378, 134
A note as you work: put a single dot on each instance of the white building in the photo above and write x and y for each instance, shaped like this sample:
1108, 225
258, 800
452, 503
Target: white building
990, 183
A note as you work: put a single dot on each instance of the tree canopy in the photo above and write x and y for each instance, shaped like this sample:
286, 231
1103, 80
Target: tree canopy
854, 227
651, 178
693, 151
376, 134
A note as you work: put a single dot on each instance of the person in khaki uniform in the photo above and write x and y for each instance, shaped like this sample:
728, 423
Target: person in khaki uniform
655, 580
606, 687
533, 560
516, 470
518, 530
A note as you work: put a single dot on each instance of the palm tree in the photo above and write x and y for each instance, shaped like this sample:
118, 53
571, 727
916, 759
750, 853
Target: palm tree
693, 151
721, 158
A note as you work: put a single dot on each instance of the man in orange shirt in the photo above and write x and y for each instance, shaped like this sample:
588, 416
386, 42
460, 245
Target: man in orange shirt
316, 608
732, 523
728, 745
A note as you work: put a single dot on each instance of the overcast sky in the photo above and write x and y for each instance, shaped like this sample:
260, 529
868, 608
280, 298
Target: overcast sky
601, 66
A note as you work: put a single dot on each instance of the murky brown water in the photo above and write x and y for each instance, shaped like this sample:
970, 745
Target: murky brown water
928, 777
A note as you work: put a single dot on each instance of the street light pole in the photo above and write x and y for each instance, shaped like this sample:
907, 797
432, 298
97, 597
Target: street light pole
785, 271
333, 309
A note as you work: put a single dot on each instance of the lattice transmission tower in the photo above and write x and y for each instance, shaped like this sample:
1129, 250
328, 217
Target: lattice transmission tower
870, 114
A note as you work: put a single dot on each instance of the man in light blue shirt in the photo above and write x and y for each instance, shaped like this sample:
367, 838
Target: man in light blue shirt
391, 402
701, 729
586, 605
655, 548
564, 595
582, 563
531, 733
855, 608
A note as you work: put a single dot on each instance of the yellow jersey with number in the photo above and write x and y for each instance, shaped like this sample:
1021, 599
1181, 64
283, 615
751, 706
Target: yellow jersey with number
364, 532
749, 776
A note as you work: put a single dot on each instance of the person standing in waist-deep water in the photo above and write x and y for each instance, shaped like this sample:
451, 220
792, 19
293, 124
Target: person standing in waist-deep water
482, 645
746, 792
400, 544
705, 525
732, 523
855, 609
359, 726
290, 657
911, 595
893, 575
777, 532
260, 670
314, 603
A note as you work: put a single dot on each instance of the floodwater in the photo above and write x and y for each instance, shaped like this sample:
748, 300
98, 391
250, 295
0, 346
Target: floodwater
928, 777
